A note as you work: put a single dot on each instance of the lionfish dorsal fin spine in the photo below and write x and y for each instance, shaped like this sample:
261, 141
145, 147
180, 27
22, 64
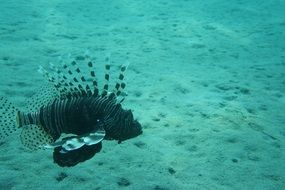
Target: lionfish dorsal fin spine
90, 64
70, 80
57, 78
107, 76
86, 90
80, 90
120, 84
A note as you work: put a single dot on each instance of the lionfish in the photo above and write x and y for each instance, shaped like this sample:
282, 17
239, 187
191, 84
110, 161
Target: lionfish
71, 115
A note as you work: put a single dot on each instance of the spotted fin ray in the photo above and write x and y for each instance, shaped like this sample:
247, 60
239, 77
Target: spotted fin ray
8, 113
34, 137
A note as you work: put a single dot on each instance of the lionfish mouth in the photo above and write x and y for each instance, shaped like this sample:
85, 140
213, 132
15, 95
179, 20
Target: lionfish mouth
135, 131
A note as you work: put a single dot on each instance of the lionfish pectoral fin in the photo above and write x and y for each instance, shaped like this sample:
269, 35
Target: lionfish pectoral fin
94, 138
59, 142
88, 139
67, 145
35, 137
72, 158
75, 142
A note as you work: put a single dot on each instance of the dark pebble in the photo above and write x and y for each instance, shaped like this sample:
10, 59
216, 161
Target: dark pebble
156, 119
171, 171
157, 187
245, 91
139, 144
5, 58
79, 58
234, 160
123, 182
61, 176
162, 115
138, 93
100, 163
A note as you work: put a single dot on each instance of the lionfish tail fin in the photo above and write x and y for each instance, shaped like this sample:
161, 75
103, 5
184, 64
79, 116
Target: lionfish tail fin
7, 118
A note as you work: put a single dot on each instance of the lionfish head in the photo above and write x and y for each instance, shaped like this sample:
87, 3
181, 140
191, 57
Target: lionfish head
134, 128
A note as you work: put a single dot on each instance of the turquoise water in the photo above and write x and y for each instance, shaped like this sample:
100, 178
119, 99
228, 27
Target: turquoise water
206, 80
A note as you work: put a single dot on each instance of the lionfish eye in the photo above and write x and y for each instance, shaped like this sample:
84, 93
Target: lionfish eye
99, 123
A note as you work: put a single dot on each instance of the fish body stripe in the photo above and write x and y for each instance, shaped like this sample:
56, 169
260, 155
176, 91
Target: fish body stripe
80, 115
26, 119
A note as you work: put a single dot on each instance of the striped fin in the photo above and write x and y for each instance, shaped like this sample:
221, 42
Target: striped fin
62, 83
66, 83
80, 83
35, 137
107, 76
65, 79
82, 78
70, 80
120, 84
7, 118
93, 76
57, 78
